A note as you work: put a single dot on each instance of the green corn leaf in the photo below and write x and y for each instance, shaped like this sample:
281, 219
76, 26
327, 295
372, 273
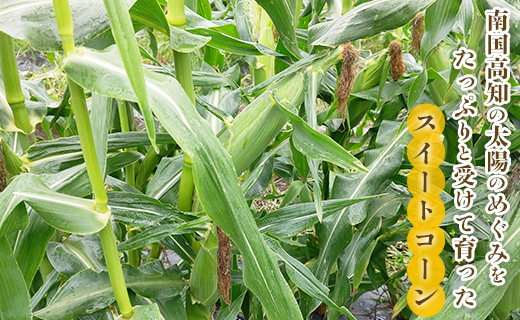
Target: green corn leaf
297, 66
386, 206
292, 192
32, 241
74, 180
488, 295
213, 172
316, 145
231, 312
256, 180
13, 162
362, 265
138, 210
166, 178
390, 91
100, 117
259, 179
207, 79
77, 253
34, 21
158, 233
31, 245
514, 19
88, 291
224, 36
465, 16
203, 280
417, 89
185, 42
172, 308
299, 161
148, 312
120, 140
53, 165
50, 281
150, 13
312, 82
382, 163
36, 111
291, 220
439, 20
305, 280
14, 297
283, 14
67, 213
124, 34
366, 20
181, 247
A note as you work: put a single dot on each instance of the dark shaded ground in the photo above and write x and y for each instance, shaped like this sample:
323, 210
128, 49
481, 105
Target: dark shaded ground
31, 61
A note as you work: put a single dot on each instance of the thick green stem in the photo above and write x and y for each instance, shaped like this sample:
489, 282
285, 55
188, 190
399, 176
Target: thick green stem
13, 89
182, 61
134, 256
176, 16
155, 252
146, 168
108, 239
115, 272
79, 105
87, 144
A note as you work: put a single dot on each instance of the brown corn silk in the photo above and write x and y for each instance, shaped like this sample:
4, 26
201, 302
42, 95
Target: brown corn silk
512, 182
398, 67
224, 265
3, 171
417, 34
347, 77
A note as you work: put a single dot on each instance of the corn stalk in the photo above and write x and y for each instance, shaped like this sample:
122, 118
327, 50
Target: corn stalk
182, 61
108, 239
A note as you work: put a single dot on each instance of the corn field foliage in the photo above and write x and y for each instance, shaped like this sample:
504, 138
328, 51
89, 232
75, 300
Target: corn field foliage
233, 156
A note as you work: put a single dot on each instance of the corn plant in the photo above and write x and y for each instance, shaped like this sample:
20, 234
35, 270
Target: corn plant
216, 157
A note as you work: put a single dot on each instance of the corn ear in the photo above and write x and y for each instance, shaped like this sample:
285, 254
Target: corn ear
255, 127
